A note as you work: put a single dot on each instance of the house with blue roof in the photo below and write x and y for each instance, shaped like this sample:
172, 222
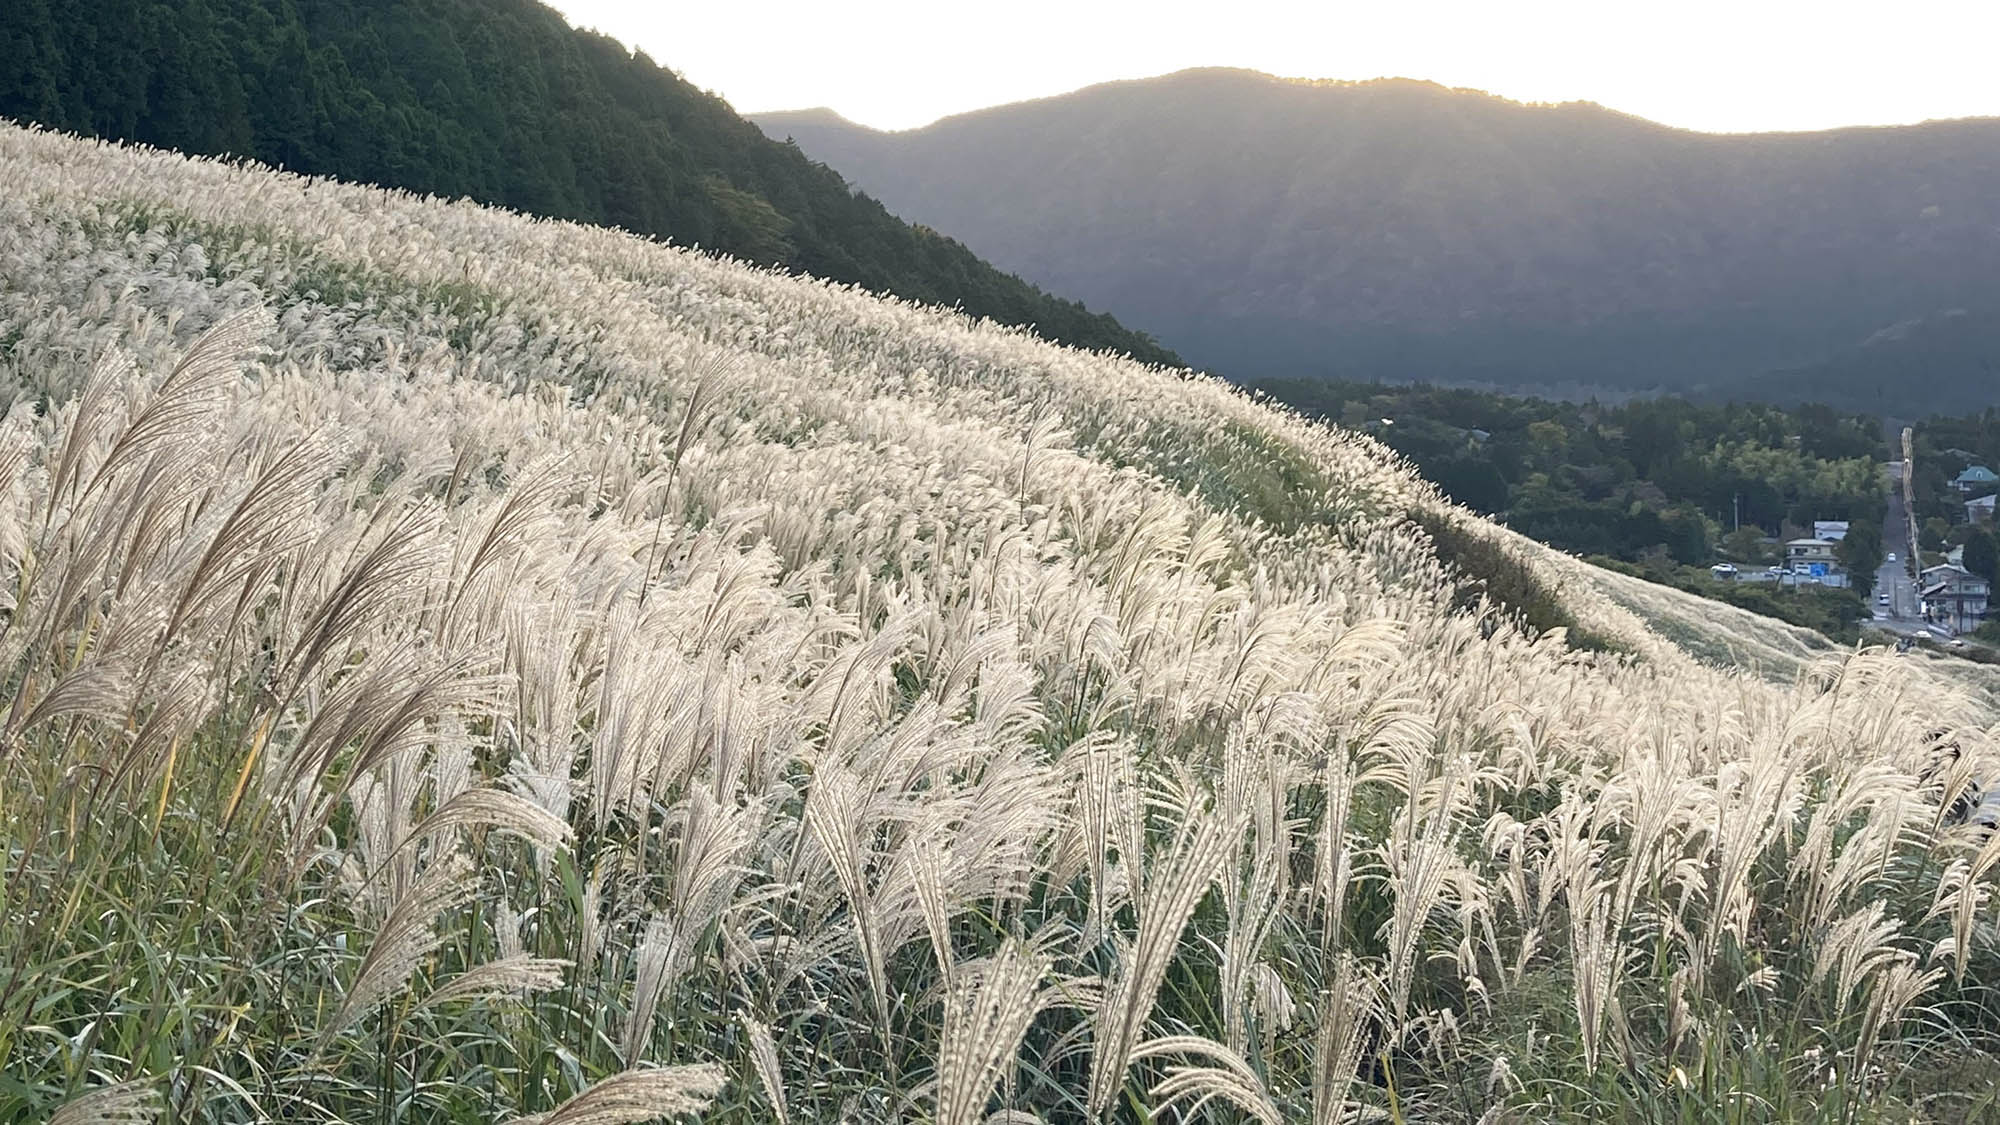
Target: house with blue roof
1975, 478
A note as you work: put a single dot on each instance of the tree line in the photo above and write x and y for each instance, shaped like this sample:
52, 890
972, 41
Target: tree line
1663, 488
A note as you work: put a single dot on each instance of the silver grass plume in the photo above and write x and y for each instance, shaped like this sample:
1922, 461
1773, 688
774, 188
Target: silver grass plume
1229, 1078
268, 520
87, 423
123, 1103
1595, 960
407, 935
1418, 868
928, 868
191, 393
1856, 948
511, 977
1896, 988
708, 867
649, 981
498, 809
764, 1060
632, 1096
1174, 886
987, 1009
97, 690
1255, 789
591, 924
833, 813
1351, 1001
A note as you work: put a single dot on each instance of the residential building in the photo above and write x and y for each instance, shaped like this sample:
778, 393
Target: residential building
1980, 510
1976, 478
1812, 561
1954, 597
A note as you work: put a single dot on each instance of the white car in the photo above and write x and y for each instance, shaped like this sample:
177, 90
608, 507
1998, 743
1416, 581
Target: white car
1892, 556
1881, 599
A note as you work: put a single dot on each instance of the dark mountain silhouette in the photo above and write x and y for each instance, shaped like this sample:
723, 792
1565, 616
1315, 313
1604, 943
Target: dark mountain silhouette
1396, 229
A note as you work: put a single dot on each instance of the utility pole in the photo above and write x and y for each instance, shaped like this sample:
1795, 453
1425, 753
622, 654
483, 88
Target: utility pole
1736, 511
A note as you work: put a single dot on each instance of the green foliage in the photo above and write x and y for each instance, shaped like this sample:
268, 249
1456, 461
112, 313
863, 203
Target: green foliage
1483, 569
1622, 480
1837, 613
1943, 447
1861, 553
1933, 534
1749, 545
1982, 554
499, 101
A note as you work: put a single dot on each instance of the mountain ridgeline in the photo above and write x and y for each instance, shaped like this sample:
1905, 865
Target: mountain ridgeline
1400, 230
498, 100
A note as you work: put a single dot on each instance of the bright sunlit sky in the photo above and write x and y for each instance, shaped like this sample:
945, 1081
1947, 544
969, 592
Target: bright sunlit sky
1718, 65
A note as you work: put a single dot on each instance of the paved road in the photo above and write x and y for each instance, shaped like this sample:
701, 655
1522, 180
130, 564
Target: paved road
1902, 614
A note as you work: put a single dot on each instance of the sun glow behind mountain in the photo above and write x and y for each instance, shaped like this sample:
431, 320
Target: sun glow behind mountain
1715, 65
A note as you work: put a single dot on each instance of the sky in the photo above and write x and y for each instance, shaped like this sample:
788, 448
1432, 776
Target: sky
1735, 66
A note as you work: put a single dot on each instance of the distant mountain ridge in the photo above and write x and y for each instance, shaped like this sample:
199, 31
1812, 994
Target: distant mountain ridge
498, 100
1396, 229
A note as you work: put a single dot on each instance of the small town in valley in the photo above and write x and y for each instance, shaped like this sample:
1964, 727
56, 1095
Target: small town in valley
1925, 586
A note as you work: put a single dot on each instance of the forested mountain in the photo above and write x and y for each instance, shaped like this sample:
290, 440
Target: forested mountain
499, 100
1947, 361
1401, 230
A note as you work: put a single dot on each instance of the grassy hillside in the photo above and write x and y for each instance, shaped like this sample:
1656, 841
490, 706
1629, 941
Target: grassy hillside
497, 100
460, 667
1400, 230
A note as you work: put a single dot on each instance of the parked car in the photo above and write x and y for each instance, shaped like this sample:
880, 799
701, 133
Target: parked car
1881, 599
1892, 556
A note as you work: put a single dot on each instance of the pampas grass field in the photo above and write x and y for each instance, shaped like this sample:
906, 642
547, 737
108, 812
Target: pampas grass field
462, 668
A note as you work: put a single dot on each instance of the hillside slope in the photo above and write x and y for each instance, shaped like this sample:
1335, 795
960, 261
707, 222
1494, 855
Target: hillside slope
497, 100
1951, 356
461, 666
1400, 230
